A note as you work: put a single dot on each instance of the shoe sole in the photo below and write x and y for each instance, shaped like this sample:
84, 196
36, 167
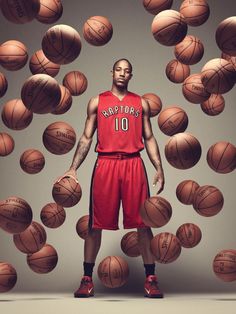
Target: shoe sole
154, 296
83, 295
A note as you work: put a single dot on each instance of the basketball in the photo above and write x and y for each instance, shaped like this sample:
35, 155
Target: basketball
41, 93
82, 227
185, 191
221, 157
156, 6
44, 260
52, 215
67, 192
65, 102
16, 214
218, 76
32, 161
155, 103
32, 239
13, 55
76, 82
208, 201
97, 30
189, 235
39, 64
50, 11
225, 36
172, 120
165, 247
113, 271
7, 144
231, 59
224, 265
59, 138
183, 151
15, 115
61, 44
8, 277
195, 12
129, 244
169, 27
190, 50
193, 89
176, 71
3, 84
20, 11
156, 211
214, 105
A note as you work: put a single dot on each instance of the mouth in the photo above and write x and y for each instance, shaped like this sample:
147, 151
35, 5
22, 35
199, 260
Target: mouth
121, 80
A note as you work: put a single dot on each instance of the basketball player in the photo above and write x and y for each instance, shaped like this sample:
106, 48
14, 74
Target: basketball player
122, 122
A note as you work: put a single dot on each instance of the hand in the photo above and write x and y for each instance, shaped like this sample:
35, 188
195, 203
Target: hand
159, 177
70, 173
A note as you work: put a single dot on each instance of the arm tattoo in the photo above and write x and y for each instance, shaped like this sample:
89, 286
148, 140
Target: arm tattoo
80, 153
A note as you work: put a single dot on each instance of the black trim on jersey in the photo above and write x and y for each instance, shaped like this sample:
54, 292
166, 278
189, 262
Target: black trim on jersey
146, 177
91, 198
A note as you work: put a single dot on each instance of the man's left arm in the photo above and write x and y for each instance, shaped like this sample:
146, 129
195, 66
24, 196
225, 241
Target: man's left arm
152, 147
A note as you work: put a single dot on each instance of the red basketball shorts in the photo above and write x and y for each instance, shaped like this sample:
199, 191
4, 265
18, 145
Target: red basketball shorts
117, 178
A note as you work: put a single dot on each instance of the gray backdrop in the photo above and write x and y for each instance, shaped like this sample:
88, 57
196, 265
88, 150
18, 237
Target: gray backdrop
132, 39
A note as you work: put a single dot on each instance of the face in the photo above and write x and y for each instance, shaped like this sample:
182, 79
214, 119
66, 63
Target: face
121, 74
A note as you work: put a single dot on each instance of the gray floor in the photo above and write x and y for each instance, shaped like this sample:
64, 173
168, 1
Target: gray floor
117, 304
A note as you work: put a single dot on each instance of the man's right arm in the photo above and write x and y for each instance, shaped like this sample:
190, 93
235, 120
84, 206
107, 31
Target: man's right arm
85, 140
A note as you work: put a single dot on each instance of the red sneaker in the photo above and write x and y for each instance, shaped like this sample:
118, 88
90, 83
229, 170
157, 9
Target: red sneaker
86, 288
151, 288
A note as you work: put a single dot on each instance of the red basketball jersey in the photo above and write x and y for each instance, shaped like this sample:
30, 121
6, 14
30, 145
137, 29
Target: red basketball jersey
119, 123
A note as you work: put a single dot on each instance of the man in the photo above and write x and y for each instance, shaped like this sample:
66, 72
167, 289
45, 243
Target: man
122, 122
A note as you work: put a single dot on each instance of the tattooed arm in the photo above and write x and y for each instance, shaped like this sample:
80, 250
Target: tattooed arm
85, 140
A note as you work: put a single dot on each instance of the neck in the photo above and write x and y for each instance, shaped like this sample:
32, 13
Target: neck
119, 91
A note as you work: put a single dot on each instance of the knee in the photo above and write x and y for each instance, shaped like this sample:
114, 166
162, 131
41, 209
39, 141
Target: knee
95, 233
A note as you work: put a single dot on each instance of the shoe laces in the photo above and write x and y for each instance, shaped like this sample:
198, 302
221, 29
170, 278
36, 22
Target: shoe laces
85, 281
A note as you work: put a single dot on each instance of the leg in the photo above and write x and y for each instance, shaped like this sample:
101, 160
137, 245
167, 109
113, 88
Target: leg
92, 245
144, 238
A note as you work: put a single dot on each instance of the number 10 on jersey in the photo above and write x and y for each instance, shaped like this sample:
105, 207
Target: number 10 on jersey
121, 124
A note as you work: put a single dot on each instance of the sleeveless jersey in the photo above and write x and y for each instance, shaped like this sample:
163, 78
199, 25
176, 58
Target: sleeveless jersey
119, 123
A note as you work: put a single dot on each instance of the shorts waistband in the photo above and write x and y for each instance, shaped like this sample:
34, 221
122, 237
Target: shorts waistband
118, 155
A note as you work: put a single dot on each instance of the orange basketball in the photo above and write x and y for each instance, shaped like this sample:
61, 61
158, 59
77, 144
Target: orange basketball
183, 150
44, 260
13, 55
156, 6
193, 89
8, 277
20, 11
15, 115
113, 271
7, 144
32, 239
190, 50
32, 161
165, 247
169, 27
82, 227
97, 30
3, 84
61, 44
221, 157
155, 103
172, 120
16, 214
214, 105
52, 215
208, 200
50, 11
129, 244
76, 82
225, 35
59, 138
65, 102
189, 235
195, 12
41, 93
67, 192
231, 59
218, 76
156, 211
185, 191
177, 72
39, 64
224, 265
